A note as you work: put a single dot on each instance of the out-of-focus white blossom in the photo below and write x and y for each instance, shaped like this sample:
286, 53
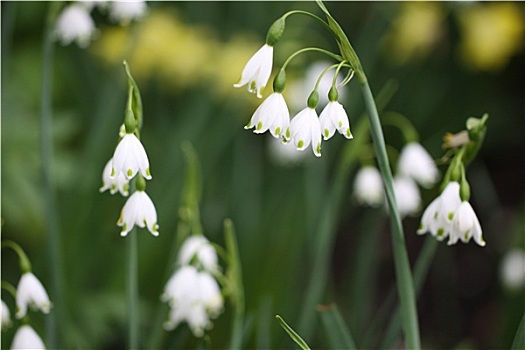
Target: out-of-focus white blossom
285, 153
416, 163
75, 24
117, 183
126, 11
26, 338
368, 187
512, 269
198, 248
407, 195
6, 316
30, 292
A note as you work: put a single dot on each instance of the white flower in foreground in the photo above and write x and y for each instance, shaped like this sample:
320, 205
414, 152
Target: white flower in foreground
199, 248
415, 162
116, 183
466, 226
6, 316
368, 187
334, 117
407, 195
75, 24
305, 129
138, 210
257, 71
193, 297
30, 292
438, 217
271, 115
26, 338
512, 269
130, 157
126, 11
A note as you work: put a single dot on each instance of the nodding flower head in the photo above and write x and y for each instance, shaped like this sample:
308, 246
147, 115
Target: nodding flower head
130, 157
271, 115
30, 292
75, 24
305, 130
257, 71
139, 210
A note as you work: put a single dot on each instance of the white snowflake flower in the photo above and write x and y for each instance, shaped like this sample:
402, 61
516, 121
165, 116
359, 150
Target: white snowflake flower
415, 162
332, 118
271, 115
75, 24
117, 183
439, 215
26, 338
199, 248
257, 71
130, 157
124, 12
407, 196
305, 130
194, 297
6, 316
138, 210
30, 292
368, 187
466, 226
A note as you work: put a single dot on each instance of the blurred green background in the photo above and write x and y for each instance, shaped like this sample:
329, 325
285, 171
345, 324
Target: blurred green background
451, 61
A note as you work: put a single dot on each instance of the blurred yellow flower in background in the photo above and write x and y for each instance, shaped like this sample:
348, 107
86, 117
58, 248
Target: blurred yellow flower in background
415, 32
491, 34
179, 55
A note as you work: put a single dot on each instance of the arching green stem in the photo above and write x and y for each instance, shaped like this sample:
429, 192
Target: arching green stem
308, 49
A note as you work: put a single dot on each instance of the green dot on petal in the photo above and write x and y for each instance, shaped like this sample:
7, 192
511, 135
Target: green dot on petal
300, 144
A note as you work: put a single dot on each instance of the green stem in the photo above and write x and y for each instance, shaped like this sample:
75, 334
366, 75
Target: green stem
46, 147
405, 284
306, 13
25, 264
307, 49
132, 286
9, 288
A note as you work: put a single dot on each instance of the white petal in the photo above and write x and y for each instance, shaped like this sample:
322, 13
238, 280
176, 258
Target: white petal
198, 247
74, 24
368, 186
407, 196
31, 292
257, 71
5, 314
26, 338
429, 218
415, 162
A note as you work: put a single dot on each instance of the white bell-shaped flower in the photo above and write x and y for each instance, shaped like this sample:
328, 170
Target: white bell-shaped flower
368, 187
26, 338
116, 183
194, 297
124, 12
5, 314
139, 210
130, 157
197, 247
332, 118
257, 71
75, 24
30, 292
407, 196
305, 130
271, 115
466, 226
415, 162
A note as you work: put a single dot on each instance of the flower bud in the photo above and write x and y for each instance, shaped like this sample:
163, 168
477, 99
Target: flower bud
279, 82
275, 32
129, 121
333, 95
313, 99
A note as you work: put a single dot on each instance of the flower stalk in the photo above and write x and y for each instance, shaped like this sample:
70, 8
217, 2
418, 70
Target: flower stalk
132, 291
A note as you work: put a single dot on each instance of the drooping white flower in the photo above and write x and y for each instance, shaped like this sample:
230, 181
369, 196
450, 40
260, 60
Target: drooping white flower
126, 11
368, 187
30, 292
512, 269
407, 196
199, 248
193, 297
466, 226
75, 24
130, 157
271, 115
138, 210
305, 130
116, 183
257, 71
439, 215
6, 316
415, 162
334, 117
26, 338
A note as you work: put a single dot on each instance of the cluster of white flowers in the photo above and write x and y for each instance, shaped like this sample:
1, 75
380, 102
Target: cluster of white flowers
74, 24
30, 293
192, 292
449, 216
415, 166
303, 130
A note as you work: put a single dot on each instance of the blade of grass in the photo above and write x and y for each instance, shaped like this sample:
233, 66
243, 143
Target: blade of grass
293, 335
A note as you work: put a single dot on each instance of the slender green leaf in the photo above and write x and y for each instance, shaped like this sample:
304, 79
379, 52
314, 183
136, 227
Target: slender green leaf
335, 328
519, 339
295, 337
